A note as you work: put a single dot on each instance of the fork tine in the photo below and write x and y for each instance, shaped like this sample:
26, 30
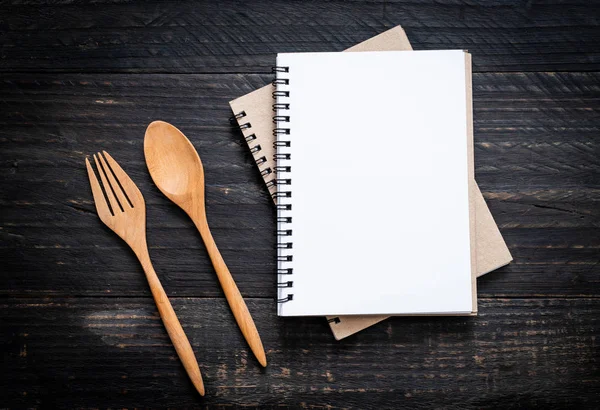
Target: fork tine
107, 188
130, 188
114, 184
99, 201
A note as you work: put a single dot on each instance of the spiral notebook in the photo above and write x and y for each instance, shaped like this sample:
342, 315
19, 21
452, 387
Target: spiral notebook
353, 238
254, 115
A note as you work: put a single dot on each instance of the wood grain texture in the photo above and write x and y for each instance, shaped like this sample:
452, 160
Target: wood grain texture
244, 36
78, 327
548, 346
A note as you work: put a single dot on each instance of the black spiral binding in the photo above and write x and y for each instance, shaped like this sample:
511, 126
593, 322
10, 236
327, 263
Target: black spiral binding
254, 149
283, 182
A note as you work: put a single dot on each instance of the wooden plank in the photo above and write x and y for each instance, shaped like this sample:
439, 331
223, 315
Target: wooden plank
536, 162
114, 352
516, 115
557, 105
232, 36
83, 272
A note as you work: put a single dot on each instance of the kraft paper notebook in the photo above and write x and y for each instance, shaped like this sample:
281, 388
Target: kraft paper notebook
254, 115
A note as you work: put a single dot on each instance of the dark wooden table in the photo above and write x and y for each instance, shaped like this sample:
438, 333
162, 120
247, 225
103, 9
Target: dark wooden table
79, 327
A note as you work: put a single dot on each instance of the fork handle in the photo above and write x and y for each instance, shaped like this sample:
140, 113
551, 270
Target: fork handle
232, 294
174, 329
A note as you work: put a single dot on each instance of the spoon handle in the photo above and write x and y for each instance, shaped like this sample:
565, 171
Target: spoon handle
233, 295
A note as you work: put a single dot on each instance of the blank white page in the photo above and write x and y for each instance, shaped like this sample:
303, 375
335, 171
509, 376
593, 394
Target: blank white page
379, 184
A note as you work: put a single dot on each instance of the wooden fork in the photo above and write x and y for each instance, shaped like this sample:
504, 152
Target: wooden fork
125, 214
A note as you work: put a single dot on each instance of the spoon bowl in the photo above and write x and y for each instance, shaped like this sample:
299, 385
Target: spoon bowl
173, 162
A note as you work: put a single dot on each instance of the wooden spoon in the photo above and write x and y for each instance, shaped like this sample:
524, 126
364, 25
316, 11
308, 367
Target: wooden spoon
177, 171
